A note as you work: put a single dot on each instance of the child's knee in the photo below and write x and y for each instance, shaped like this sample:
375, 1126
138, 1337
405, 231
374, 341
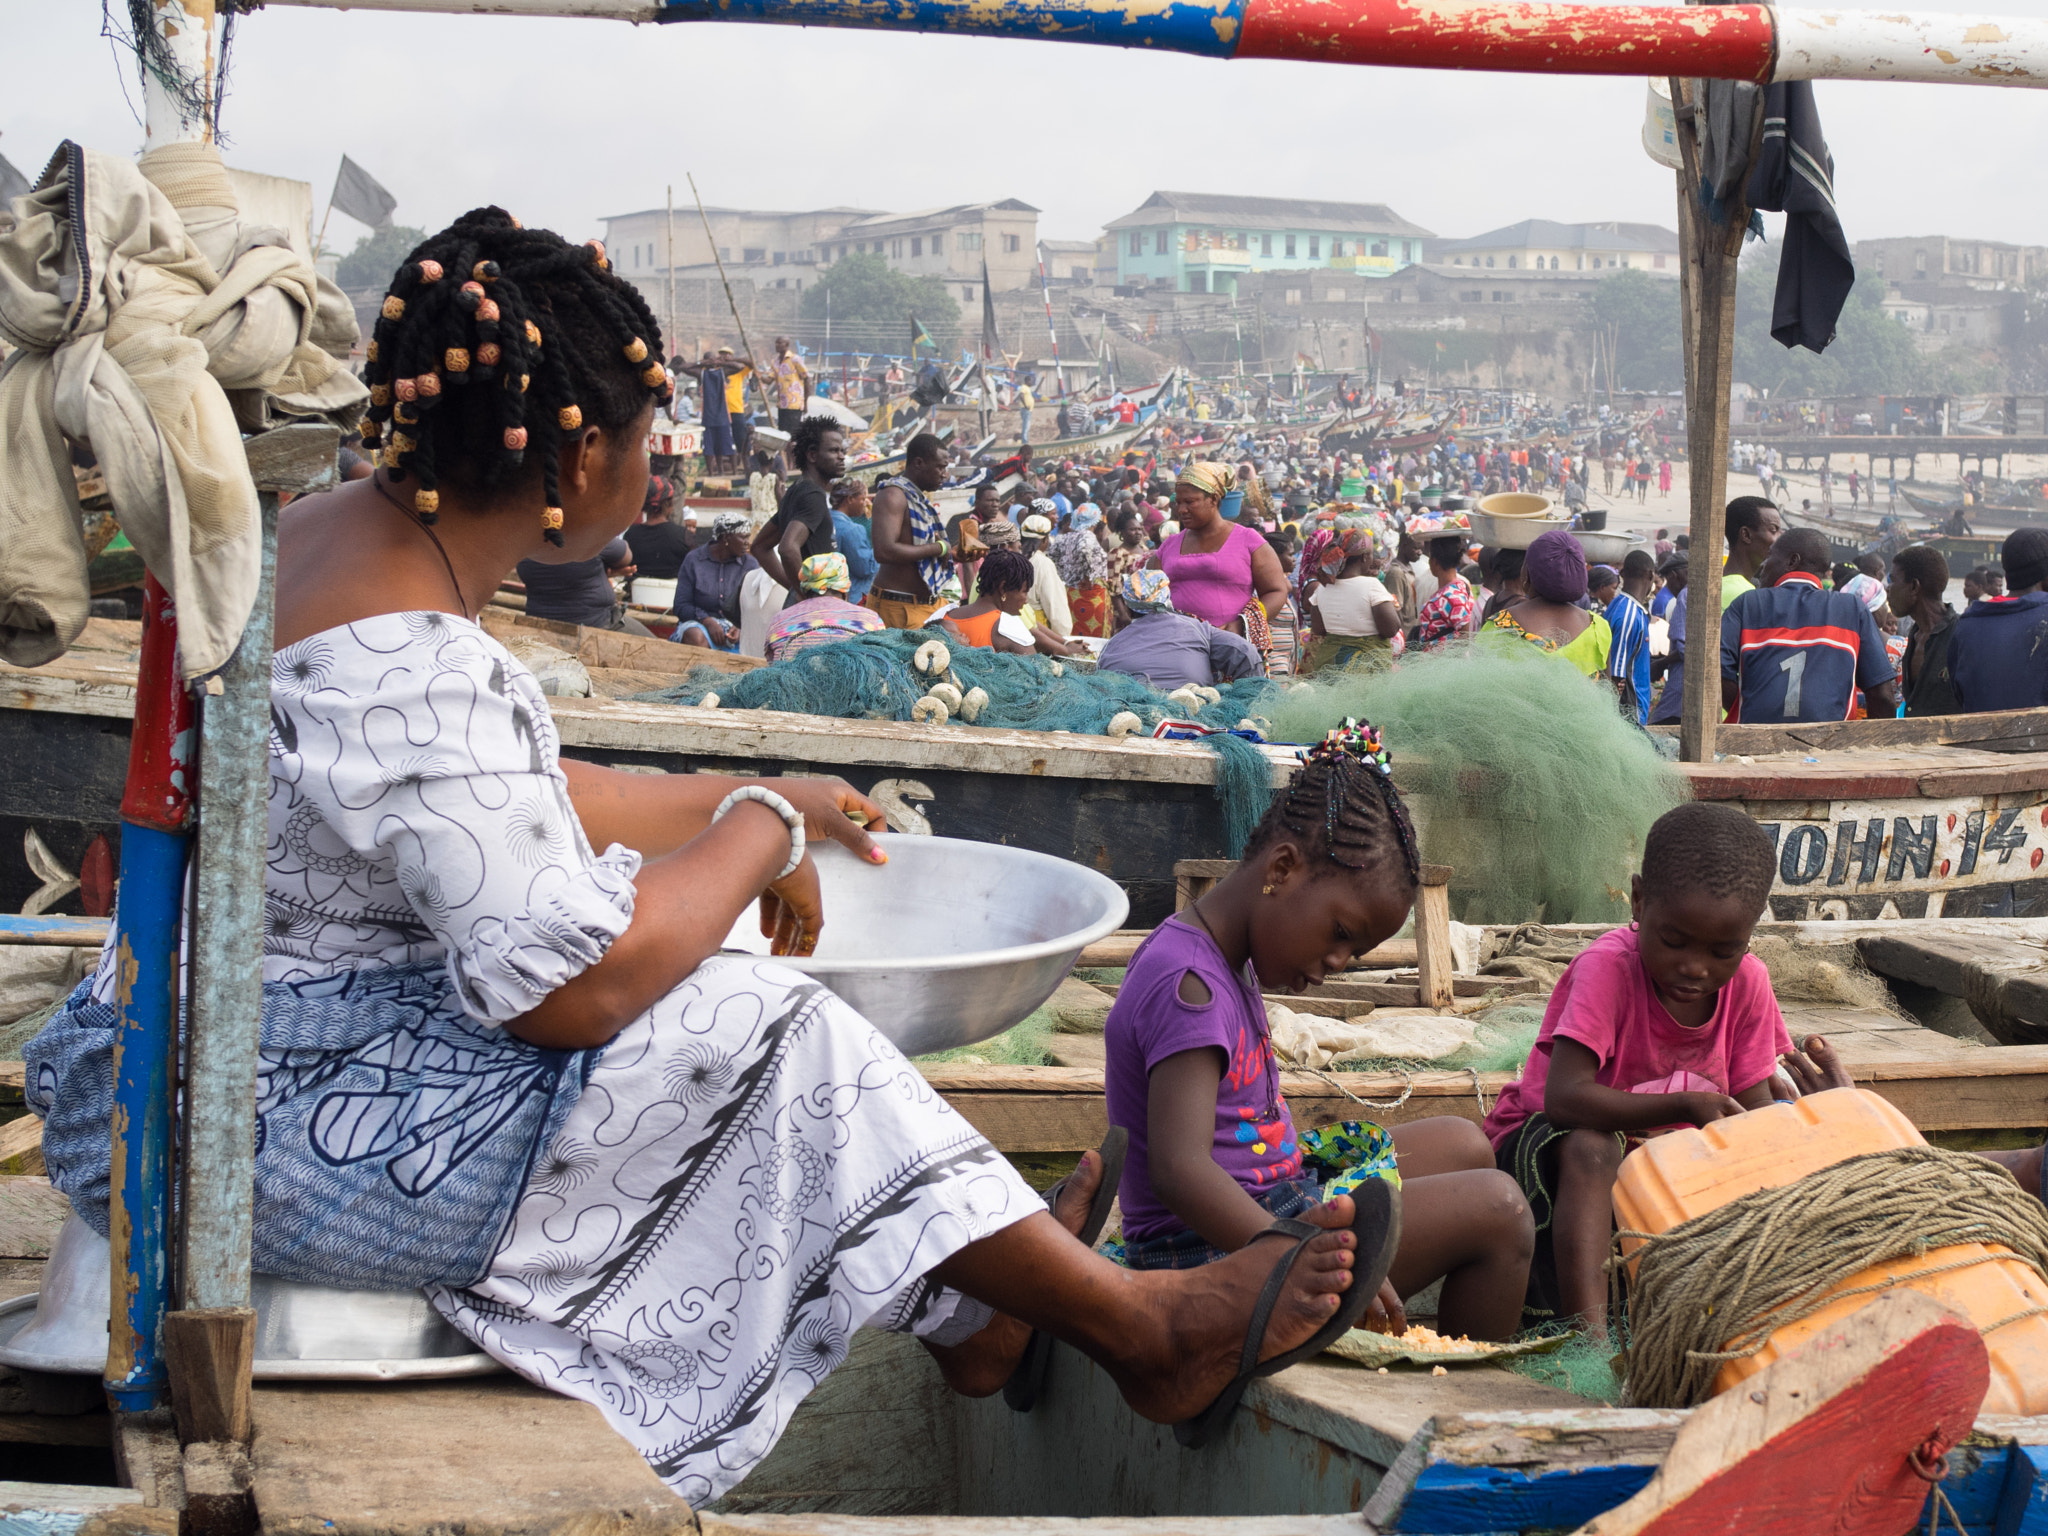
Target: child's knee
1591, 1152
1466, 1141
1506, 1210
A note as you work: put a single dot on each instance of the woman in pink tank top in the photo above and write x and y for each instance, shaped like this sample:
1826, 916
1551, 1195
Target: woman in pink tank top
1217, 566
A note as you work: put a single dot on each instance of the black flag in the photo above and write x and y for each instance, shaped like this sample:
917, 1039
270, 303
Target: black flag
359, 195
991, 343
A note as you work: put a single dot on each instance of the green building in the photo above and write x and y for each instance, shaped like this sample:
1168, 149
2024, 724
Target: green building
1198, 242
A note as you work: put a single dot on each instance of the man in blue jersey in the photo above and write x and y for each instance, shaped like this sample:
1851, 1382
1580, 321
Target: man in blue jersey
1998, 653
1792, 651
1619, 597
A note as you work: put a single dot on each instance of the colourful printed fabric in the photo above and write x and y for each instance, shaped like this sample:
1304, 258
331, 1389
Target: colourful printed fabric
924, 526
792, 380
816, 621
1450, 615
1587, 651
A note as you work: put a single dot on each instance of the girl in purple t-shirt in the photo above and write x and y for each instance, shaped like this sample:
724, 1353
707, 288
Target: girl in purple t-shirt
1214, 1155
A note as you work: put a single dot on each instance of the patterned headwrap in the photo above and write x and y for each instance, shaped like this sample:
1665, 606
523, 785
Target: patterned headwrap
1001, 533
825, 573
727, 523
1045, 507
1146, 591
1086, 515
1217, 480
1311, 556
1345, 545
1867, 590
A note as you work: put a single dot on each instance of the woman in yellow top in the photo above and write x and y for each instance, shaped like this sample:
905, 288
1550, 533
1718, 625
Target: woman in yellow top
1539, 610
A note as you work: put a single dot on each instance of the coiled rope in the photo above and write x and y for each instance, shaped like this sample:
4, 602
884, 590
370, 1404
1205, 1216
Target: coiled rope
1715, 1288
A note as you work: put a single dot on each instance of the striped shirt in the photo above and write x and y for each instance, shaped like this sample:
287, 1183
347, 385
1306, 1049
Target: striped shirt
1628, 654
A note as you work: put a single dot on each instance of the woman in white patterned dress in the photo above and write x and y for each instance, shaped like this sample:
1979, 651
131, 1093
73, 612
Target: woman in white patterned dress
502, 1057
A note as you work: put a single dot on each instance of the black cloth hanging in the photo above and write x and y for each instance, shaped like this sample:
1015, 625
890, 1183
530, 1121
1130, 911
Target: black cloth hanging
1795, 175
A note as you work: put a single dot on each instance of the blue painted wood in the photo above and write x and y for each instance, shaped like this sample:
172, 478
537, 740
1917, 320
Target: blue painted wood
152, 895
1458, 1501
52, 930
1976, 1485
2023, 1504
1209, 27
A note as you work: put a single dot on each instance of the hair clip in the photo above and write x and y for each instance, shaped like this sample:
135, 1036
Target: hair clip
394, 307
430, 271
569, 417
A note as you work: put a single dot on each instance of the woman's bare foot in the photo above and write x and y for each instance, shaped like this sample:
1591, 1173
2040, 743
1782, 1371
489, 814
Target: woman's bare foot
1208, 1310
979, 1366
1816, 1068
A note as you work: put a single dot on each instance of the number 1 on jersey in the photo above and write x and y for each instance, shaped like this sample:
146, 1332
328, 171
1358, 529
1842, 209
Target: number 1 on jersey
1794, 667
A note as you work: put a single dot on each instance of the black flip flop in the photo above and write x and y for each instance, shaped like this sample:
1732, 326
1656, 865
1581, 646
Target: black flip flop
1021, 1390
1377, 1225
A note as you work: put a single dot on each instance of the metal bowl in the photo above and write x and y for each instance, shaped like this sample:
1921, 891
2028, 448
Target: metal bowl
1604, 548
303, 1332
1512, 532
951, 941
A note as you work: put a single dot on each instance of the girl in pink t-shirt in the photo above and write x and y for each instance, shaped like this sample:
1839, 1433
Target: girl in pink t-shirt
1214, 1155
1665, 1023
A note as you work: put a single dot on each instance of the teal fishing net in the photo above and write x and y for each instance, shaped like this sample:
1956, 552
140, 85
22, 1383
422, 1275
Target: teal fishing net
872, 678
1523, 775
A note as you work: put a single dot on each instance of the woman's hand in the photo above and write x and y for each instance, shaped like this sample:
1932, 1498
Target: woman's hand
1386, 1314
833, 808
793, 911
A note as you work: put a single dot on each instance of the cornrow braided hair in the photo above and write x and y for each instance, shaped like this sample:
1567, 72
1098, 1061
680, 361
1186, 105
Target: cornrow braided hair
1343, 806
494, 339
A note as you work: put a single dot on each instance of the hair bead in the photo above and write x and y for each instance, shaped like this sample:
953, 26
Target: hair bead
551, 526
404, 414
532, 334
380, 394
524, 380
488, 310
400, 446
597, 251
636, 350
407, 389
569, 417
515, 439
394, 307
654, 376
427, 504
370, 352
369, 433
488, 354
428, 385
470, 295
456, 359
485, 271
430, 272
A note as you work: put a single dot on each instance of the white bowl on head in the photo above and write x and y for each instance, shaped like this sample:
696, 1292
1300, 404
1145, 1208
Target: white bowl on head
1512, 532
951, 941
1607, 548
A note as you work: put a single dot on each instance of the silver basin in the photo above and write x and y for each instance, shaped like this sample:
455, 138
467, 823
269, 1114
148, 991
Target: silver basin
303, 1332
951, 941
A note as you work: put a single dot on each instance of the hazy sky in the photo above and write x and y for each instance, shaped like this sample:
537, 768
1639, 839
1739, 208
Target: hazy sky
566, 121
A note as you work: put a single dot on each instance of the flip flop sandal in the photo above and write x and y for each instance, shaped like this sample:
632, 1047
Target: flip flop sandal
1377, 1225
1021, 1390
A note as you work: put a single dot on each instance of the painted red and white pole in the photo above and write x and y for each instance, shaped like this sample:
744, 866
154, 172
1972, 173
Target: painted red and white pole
1725, 42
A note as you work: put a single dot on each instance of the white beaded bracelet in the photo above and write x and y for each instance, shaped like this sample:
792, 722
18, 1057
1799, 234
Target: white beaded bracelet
791, 818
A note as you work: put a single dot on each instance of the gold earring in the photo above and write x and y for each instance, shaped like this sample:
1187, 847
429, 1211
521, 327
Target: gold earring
1269, 890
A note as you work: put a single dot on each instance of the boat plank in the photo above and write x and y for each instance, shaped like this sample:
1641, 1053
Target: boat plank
486, 1456
1034, 1525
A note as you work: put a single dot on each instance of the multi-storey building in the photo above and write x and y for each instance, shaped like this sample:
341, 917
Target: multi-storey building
1543, 245
1196, 242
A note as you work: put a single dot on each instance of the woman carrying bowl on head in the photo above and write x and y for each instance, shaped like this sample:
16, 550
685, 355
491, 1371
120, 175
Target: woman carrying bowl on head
503, 1057
1223, 572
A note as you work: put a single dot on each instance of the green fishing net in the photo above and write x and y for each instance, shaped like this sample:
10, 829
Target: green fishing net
1523, 776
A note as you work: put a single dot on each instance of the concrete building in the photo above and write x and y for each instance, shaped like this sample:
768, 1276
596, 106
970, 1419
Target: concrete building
787, 250
1196, 242
1069, 261
1546, 246
1966, 263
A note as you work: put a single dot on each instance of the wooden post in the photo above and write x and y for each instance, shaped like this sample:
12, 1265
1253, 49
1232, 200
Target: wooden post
1709, 250
210, 1352
1433, 960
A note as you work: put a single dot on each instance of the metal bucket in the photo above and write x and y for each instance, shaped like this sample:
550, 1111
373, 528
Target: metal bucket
951, 941
303, 1332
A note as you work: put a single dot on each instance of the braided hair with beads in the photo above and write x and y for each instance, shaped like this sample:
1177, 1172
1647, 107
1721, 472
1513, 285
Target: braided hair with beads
1343, 807
494, 339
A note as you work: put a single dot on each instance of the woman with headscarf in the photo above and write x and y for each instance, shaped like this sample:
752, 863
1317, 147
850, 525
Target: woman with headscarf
1130, 549
1544, 615
823, 616
1084, 567
707, 601
1222, 571
1873, 594
1352, 614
